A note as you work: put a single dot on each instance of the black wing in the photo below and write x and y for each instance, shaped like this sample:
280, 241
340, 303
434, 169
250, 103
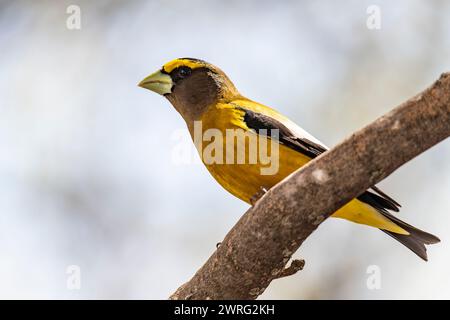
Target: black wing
257, 121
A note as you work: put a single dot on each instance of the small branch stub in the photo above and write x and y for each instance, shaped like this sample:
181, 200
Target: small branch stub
295, 266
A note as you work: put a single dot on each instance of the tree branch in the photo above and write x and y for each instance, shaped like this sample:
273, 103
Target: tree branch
258, 247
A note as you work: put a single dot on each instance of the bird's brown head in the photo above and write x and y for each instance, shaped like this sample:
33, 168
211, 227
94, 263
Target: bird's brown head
191, 85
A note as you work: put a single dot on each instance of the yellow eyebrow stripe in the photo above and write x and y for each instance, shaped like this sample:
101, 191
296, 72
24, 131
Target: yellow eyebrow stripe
170, 66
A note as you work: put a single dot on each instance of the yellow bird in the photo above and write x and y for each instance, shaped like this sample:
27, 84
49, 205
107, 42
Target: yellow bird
224, 123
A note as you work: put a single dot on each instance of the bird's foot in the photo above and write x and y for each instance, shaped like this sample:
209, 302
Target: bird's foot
262, 191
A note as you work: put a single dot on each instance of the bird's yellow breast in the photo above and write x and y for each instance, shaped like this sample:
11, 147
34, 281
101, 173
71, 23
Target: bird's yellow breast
243, 180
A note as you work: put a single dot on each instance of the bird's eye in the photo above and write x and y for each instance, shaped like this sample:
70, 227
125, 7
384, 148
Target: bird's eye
185, 71
181, 73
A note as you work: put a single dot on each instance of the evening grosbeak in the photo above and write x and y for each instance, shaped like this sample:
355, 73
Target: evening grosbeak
207, 100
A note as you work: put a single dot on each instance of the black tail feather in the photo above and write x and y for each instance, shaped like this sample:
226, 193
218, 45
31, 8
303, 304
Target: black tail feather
415, 241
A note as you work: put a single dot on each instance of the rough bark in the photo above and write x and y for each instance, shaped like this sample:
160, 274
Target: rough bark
259, 246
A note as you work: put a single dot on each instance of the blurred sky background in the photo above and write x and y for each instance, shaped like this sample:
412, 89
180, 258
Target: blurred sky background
88, 175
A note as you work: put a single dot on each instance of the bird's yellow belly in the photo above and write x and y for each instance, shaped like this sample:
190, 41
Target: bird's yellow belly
246, 180
265, 162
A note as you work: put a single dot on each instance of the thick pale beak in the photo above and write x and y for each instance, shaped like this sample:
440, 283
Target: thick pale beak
158, 82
